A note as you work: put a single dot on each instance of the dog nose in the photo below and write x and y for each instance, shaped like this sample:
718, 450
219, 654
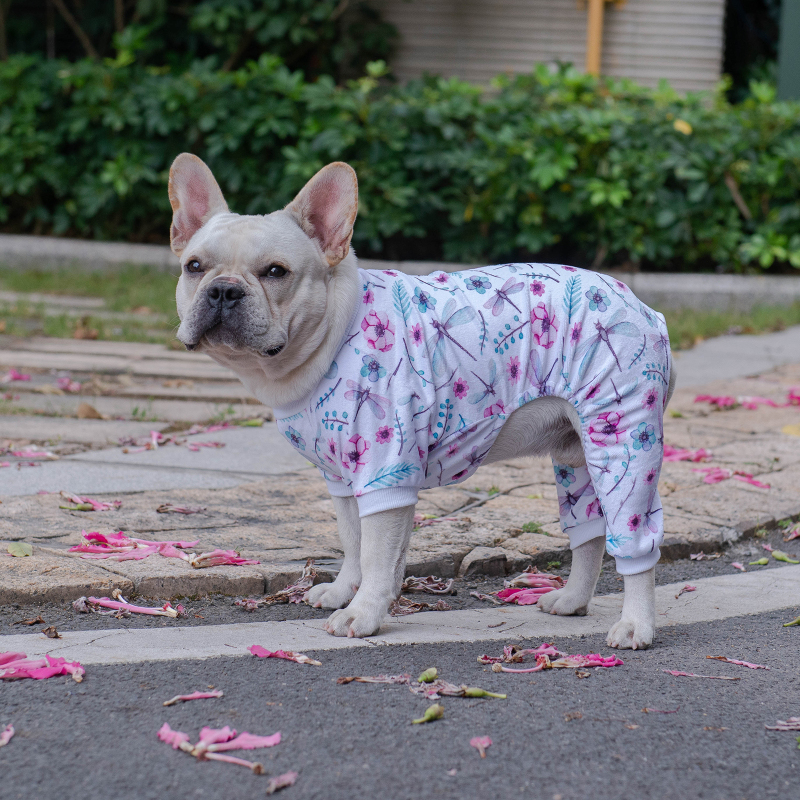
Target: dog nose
224, 294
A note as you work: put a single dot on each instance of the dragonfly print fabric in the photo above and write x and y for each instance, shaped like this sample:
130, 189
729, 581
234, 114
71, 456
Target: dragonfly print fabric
432, 367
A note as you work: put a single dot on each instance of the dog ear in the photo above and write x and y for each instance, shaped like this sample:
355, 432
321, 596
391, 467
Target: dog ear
326, 209
195, 197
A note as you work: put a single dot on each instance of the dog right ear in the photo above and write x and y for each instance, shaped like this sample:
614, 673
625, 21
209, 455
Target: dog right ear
195, 197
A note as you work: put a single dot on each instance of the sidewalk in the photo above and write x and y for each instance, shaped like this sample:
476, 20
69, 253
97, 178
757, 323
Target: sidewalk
264, 500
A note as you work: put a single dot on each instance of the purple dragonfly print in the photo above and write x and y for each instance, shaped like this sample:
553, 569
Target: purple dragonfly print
617, 326
501, 296
567, 503
365, 396
450, 319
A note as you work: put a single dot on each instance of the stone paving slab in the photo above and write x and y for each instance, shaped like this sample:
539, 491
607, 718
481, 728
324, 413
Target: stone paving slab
80, 431
265, 501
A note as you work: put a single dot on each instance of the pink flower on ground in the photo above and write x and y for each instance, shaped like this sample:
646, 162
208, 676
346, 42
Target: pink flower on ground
481, 743
182, 698
217, 558
353, 458
417, 335
13, 375
607, 429
543, 325
369, 297
460, 388
378, 332
495, 408
14, 666
537, 287
514, 370
634, 521
288, 655
5, 736
384, 435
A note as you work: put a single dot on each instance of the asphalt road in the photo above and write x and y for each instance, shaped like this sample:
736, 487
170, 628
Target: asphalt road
556, 737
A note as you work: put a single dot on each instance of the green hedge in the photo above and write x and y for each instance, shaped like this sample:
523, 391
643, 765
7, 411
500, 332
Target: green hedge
541, 165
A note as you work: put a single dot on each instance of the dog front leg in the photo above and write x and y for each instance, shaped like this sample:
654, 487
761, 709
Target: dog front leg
574, 598
636, 628
384, 542
339, 593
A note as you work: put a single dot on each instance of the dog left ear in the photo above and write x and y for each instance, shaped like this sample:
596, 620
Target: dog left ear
326, 209
195, 197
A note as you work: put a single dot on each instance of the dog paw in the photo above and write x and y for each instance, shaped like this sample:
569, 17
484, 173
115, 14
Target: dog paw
563, 603
331, 595
630, 634
357, 620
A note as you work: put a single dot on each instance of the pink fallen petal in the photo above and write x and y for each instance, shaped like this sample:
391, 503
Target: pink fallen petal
590, 660
791, 724
746, 477
257, 768
481, 744
288, 655
209, 736
714, 474
28, 453
747, 664
122, 605
66, 384
720, 401
174, 738
97, 505
5, 464
686, 588
739, 566
533, 579
792, 533
218, 558
676, 454
281, 782
38, 668
768, 547
5, 658
793, 397
13, 375
246, 741
5, 736
522, 597
182, 698
677, 673
195, 446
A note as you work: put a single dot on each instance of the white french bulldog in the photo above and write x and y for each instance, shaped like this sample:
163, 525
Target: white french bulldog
279, 299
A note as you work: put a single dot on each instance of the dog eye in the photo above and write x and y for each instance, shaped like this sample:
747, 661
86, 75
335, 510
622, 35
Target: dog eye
193, 266
274, 271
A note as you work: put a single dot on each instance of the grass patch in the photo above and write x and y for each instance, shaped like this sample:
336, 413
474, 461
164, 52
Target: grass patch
687, 327
122, 289
532, 527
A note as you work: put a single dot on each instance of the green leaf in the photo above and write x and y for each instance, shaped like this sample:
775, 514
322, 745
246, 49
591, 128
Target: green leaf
20, 549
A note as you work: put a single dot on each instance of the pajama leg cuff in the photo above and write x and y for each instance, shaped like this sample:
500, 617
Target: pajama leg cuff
581, 534
633, 566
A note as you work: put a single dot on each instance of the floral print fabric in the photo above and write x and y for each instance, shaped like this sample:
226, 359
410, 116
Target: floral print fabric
433, 366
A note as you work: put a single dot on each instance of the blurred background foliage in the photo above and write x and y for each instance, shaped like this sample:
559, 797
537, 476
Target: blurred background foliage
554, 165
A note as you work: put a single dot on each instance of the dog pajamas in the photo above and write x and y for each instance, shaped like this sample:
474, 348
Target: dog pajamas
431, 367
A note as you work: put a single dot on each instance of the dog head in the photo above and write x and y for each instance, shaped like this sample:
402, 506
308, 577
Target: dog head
260, 291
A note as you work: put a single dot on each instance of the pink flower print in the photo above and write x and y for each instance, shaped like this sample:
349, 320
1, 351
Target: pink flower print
650, 398
650, 477
416, 335
607, 429
568, 269
442, 277
378, 332
537, 287
495, 408
353, 458
575, 336
544, 327
384, 435
421, 453
460, 388
459, 475
369, 297
621, 286
594, 509
452, 450
389, 272
634, 521
513, 369
330, 452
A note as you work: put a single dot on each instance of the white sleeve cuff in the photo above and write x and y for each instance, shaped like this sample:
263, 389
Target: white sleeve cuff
339, 489
386, 499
